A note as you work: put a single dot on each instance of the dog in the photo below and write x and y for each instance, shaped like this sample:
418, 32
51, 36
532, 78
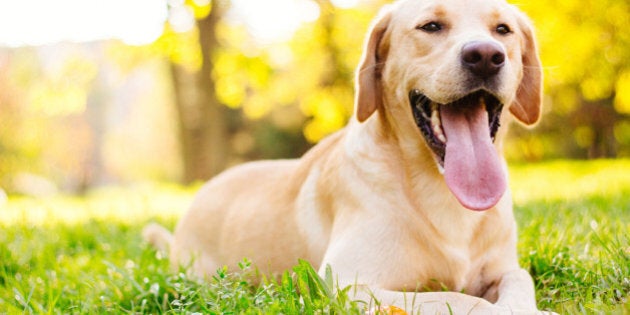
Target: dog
411, 196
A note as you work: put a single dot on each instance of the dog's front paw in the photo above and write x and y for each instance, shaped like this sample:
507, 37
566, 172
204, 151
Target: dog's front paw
501, 309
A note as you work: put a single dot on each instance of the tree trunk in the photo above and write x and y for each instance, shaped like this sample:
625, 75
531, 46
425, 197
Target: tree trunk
203, 127
601, 118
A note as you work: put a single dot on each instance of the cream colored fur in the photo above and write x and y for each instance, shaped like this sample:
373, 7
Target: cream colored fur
369, 200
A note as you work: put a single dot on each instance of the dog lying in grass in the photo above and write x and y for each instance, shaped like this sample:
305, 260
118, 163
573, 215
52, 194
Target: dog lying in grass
411, 197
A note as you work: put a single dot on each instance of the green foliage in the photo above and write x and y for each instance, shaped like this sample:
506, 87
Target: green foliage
84, 255
587, 81
88, 270
574, 224
587, 261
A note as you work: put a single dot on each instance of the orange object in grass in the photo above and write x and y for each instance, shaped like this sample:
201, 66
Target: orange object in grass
387, 310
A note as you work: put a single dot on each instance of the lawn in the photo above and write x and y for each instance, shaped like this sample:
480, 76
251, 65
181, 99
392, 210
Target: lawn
85, 255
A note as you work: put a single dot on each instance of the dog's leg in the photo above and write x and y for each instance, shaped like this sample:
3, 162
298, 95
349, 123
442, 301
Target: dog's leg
427, 302
445, 302
516, 291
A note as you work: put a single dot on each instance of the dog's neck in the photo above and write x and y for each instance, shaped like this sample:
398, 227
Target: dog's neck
432, 204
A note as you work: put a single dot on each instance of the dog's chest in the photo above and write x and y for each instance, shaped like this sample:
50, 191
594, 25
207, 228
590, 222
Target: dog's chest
450, 268
442, 252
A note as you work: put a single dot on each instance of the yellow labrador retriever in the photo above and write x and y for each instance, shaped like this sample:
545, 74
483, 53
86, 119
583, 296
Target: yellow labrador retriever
411, 196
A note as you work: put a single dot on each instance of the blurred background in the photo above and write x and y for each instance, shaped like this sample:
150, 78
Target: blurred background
96, 93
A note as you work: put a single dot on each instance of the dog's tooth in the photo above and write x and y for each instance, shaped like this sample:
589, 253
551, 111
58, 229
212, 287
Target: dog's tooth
436, 123
435, 119
440, 135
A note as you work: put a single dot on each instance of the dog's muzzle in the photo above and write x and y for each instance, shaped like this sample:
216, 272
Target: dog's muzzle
461, 135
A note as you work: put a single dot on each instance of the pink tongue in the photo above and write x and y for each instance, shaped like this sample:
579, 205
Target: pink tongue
472, 167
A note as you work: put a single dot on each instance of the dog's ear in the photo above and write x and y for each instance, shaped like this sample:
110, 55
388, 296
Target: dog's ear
368, 85
527, 105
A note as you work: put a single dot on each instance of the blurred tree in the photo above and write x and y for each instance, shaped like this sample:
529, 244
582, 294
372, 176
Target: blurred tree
239, 99
585, 53
329, 104
43, 92
12, 151
202, 118
312, 72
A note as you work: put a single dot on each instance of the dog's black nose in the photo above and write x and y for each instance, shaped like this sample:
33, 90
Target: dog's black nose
483, 59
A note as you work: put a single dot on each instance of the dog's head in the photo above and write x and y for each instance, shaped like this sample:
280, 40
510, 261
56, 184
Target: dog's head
451, 66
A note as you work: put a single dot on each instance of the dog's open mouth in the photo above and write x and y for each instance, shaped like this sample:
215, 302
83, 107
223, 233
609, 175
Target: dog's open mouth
461, 134
428, 119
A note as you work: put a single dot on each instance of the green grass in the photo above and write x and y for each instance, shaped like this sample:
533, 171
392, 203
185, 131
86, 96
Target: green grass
574, 237
85, 255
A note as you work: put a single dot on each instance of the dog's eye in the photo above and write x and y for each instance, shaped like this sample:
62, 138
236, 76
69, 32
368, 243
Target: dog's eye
503, 29
430, 27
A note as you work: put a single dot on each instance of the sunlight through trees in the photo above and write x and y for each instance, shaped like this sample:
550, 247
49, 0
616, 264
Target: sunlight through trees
208, 94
